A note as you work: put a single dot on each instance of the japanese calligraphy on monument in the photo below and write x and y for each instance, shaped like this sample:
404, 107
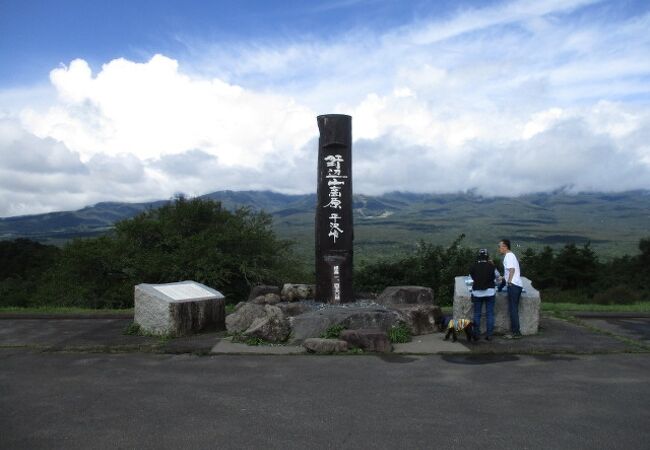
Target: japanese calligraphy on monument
334, 233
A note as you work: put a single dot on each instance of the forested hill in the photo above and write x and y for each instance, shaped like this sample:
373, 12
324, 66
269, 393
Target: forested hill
395, 222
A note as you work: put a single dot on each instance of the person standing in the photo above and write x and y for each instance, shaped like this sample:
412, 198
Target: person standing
483, 274
512, 276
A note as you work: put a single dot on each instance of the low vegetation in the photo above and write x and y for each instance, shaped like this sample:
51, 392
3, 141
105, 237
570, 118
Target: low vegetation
399, 334
197, 239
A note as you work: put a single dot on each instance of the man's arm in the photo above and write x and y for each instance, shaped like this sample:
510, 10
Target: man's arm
511, 273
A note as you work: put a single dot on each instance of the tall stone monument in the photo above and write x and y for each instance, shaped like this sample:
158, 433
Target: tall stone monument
334, 233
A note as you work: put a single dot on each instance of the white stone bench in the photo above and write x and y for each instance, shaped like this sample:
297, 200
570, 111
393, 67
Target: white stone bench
529, 305
178, 309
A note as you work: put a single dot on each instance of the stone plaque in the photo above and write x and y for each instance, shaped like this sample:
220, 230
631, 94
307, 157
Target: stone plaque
183, 291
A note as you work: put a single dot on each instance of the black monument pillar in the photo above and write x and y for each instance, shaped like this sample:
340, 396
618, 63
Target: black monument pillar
334, 234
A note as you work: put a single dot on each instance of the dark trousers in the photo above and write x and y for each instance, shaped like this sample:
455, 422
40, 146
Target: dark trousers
514, 294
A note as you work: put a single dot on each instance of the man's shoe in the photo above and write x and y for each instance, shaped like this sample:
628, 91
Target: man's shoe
507, 336
516, 336
488, 338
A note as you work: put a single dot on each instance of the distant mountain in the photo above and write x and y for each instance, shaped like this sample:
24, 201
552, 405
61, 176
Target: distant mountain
393, 223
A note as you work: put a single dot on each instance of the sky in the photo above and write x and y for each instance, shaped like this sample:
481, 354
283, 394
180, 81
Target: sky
140, 100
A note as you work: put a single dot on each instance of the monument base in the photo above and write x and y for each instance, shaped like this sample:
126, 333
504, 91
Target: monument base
178, 309
529, 305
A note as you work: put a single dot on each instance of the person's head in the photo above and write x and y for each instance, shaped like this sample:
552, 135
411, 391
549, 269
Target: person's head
483, 255
504, 246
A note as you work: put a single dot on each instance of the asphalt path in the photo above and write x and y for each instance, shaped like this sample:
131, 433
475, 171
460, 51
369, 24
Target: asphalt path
79, 400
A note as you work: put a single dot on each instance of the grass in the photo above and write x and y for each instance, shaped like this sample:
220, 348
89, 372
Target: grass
581, 307
62, 310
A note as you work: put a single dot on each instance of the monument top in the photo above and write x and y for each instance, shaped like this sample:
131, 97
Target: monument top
183, 291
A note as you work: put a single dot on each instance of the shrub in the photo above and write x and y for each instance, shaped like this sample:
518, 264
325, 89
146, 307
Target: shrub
333, 332
398, 334
618, 295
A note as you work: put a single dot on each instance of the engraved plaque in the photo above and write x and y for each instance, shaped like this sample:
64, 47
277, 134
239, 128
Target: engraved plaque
183, 291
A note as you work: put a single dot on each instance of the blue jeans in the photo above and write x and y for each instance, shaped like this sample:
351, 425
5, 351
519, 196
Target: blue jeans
489, 314
514, 294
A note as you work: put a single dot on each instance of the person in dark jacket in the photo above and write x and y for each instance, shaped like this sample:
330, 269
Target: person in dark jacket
483, 274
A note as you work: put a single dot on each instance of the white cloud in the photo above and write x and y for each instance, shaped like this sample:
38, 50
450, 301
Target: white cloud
547, 94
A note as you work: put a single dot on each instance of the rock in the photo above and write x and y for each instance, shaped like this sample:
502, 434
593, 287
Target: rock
319, 345
178, 309
367, 340
419, 318
315, 323
267, 299
243, 317
529, 305
293, 309
274, 327
410, 295
263, 289
365, 295
295, 292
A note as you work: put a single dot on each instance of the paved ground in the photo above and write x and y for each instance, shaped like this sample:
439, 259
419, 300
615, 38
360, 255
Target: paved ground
84, 384
158, 401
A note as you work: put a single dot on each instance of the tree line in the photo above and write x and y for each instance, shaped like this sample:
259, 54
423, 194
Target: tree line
197, 239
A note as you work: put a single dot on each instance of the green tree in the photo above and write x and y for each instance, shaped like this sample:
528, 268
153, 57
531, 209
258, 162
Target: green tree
193, 239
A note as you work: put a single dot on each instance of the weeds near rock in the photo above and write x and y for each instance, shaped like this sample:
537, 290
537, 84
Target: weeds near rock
399, 334
333, 332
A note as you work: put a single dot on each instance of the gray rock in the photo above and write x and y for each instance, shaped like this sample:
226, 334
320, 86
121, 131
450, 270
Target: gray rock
295, 292
243, 317
367, 340
315, 323
529, 305
319, 345
263, 289
274, 327
293, 309
420, 319
406, 295
179, 309
267, 299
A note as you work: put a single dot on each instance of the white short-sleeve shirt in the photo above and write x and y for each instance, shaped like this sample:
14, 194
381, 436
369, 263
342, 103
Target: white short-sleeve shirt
510, 262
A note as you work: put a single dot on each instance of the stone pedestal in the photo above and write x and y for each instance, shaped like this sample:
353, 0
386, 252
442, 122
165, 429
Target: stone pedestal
178, 309
529, 305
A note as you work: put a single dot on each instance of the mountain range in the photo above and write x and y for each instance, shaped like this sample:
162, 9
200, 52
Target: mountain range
394, 223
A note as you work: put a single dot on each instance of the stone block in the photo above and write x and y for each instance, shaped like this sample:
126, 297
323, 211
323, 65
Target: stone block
319, 345
244, 316
368, 340
406, 295
296, 292
529, 306
179, 309
421, 319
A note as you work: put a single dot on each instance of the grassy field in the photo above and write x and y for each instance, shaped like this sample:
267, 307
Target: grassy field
62, 310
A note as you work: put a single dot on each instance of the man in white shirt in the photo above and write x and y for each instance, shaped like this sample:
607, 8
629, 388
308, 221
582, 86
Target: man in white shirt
512, 275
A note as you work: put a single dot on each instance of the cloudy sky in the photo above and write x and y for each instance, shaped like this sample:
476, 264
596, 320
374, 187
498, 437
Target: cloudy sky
134, 101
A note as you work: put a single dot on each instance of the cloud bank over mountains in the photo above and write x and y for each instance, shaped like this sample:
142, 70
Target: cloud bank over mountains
505, 100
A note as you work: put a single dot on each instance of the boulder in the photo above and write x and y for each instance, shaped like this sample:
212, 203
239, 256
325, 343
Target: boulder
367, 340
267, 299
179, 309
263, 289
529, 305
421, 319
293, 309
315, 323
406, 295
295, 292
319, 345
274, 327
243, 317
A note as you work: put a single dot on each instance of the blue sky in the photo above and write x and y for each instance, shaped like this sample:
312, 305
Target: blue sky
136, 100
